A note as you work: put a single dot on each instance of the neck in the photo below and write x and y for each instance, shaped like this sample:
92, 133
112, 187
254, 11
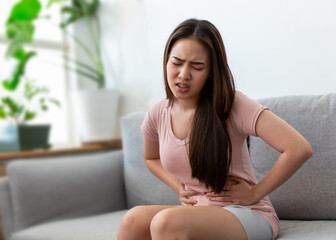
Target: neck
185, 105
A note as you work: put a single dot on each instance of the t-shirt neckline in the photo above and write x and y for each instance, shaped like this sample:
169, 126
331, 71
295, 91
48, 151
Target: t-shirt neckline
171, 133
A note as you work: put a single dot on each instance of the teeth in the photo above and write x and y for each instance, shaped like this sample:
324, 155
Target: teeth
182, 85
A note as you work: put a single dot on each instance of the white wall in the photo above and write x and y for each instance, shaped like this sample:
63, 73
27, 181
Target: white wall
274, 47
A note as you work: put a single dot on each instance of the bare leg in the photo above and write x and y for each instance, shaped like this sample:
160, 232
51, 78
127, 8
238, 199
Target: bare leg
136, 222
196, 223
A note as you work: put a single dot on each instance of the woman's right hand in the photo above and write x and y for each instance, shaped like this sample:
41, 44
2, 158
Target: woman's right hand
184, 196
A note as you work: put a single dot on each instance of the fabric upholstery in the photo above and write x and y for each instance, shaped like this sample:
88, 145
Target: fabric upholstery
97, 227
307, 230
65, 187
6, 207
142, 187
310, 193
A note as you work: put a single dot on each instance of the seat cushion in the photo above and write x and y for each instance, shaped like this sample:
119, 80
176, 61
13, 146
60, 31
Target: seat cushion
99, 227
307, 230
311, 192
105, 227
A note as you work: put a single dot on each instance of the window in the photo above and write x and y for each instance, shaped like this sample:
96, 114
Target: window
47, 68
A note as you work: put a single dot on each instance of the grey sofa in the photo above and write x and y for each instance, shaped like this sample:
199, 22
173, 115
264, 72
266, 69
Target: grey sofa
85, 196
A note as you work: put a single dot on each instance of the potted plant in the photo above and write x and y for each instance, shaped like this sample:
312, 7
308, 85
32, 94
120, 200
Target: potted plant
16, 106
96, 108
19, 135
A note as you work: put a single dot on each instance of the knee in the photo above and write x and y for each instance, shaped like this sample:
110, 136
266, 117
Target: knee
167, 225
131, 223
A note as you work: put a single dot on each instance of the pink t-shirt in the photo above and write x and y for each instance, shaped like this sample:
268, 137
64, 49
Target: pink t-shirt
174, 152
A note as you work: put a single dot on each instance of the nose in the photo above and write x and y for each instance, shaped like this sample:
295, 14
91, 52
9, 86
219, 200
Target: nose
184, 73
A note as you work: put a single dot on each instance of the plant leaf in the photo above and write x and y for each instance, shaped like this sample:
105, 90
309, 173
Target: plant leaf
21, 32
14, 107
12, 83
19, 25
25, 10
19, 54
29, 115
78, 10
31, 90
54, 101
2, 112
44, 108
51, 2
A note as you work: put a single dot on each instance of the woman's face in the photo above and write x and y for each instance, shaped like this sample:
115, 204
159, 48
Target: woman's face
188, 68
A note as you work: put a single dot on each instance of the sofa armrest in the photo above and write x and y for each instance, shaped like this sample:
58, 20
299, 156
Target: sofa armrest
53, 188
6, 207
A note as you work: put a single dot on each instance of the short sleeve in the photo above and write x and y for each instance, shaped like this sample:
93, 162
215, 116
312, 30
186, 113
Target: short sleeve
149, 126
245, 112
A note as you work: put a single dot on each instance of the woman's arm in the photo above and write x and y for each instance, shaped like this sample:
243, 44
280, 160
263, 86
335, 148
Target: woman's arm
152, 160
295, 151
294, 148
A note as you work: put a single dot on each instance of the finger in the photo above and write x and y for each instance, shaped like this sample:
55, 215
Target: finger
187, 204
188, 201
188, 193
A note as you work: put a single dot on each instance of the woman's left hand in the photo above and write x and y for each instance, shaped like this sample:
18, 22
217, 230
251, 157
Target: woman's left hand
241, 193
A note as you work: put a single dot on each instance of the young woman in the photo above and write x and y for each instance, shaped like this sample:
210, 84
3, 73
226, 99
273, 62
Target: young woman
195, 142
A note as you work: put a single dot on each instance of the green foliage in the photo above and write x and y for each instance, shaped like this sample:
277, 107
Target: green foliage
78, 10
22, 57
20, 24
12, 110
2, 112
86, 10
20, 31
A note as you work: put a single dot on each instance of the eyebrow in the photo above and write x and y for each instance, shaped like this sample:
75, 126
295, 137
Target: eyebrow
197, 63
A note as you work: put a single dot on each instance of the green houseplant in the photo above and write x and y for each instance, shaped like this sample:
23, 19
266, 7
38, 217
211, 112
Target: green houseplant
87, 11
16, 104
96, 108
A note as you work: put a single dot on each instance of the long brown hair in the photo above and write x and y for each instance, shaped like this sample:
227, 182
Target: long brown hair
210, 146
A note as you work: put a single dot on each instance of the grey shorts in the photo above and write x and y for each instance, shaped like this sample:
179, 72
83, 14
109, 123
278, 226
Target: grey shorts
256, 227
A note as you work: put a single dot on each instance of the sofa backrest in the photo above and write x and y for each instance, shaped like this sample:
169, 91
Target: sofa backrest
311, 192
142, 187
65, 187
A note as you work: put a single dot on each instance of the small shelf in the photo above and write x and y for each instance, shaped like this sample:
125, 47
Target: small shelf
59, 150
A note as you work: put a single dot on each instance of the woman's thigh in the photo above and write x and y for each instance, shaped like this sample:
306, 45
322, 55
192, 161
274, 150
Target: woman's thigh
136, 222
196, 223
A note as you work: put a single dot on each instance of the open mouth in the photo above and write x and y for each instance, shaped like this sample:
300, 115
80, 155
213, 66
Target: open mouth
181, 85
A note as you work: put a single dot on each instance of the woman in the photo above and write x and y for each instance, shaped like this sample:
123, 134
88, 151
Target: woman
195, 142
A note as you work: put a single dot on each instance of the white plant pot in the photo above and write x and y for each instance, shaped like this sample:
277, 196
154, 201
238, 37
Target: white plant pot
97, 114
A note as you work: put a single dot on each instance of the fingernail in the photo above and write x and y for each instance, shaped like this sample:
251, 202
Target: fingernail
195, 202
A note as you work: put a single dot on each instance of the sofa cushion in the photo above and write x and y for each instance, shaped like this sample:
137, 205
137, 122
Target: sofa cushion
311, 192
307, 230
98, 227
142, 187
65, 187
